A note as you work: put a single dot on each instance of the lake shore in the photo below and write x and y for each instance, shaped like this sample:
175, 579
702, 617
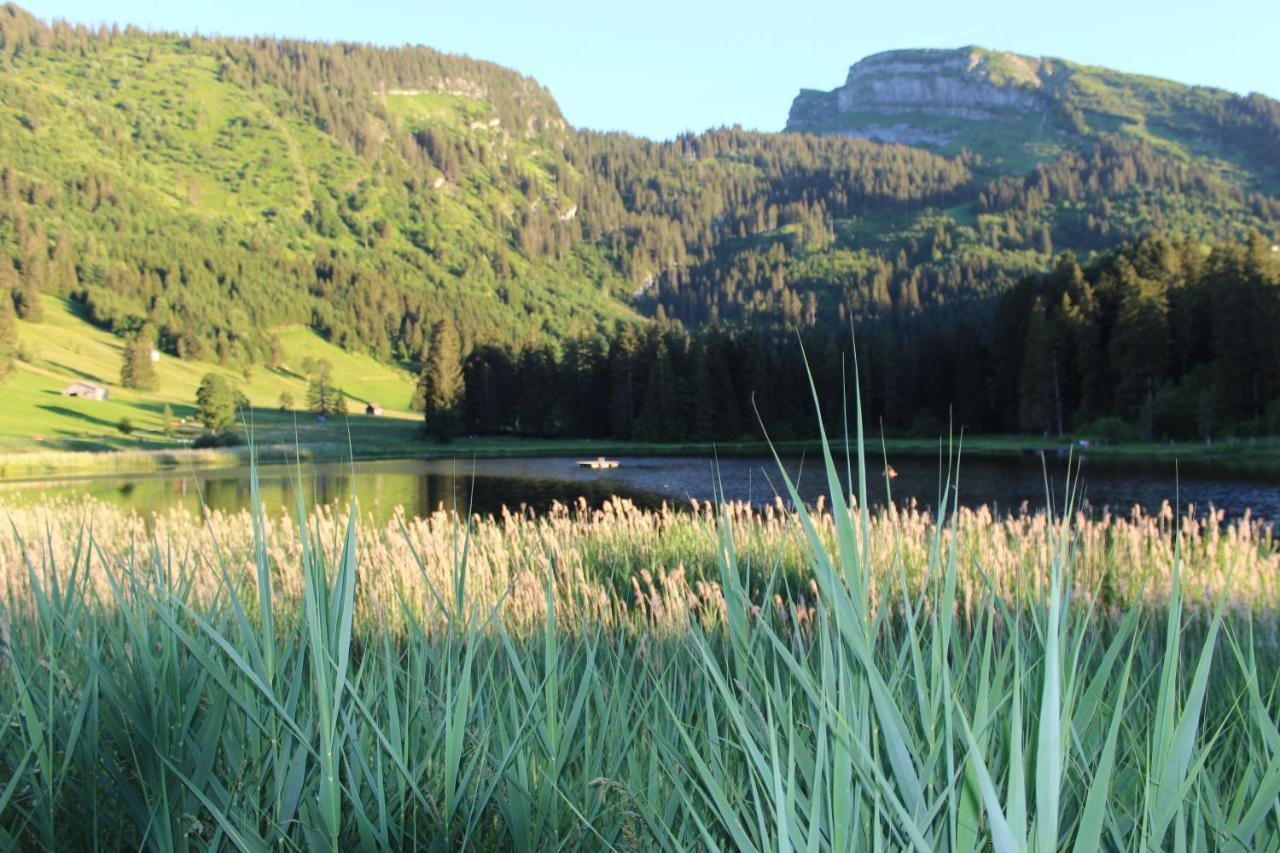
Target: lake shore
281, 440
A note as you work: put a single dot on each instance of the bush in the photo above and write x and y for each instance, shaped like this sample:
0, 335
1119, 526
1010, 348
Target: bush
927, 425
1185, 411
218, 439
1109, 430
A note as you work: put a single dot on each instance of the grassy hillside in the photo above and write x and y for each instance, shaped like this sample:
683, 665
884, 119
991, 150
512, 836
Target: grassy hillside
63, 348
150, 157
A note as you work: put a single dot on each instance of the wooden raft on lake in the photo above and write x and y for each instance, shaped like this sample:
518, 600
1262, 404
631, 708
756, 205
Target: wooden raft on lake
598, 463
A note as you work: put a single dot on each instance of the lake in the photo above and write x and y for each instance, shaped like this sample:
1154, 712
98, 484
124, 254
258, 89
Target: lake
1007, 482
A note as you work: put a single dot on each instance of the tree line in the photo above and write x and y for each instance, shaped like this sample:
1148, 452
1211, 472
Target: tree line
1179, 342
1159, 339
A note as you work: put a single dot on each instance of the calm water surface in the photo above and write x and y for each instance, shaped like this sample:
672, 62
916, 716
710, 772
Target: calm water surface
486, 485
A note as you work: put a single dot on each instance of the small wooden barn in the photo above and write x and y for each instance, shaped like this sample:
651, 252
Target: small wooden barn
86, 391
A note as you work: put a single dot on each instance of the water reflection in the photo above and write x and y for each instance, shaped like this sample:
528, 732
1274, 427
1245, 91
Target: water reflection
486, 485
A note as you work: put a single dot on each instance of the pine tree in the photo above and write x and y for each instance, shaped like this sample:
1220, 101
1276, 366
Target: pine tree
1139, 349
322, 397
440, 385
8, 334
27, 299
137, 370
216, 402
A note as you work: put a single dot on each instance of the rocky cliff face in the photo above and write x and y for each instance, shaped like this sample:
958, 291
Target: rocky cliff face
891, 96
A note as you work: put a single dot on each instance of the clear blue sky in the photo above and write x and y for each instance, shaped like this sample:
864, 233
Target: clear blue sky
658, 67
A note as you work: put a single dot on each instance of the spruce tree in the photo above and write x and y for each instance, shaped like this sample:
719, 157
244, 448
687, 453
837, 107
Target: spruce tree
8, 334
137, 370
19, 291
27, 299
441, 386
322, 397
216, 402
1038, 387
701, 397
1139, 342
622, 383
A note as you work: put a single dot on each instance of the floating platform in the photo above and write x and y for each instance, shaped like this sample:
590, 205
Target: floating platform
599, 463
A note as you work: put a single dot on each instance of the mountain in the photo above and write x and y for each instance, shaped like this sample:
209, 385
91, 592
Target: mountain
1015, 111
216, 187
208, 193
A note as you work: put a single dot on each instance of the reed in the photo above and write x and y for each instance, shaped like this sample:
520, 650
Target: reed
807, 678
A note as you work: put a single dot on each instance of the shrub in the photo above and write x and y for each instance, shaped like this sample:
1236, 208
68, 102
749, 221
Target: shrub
1109, 430
226, 438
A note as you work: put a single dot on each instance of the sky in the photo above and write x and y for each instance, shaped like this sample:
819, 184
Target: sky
661, 67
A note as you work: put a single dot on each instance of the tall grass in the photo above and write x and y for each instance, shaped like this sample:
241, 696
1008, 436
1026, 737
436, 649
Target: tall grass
822, 678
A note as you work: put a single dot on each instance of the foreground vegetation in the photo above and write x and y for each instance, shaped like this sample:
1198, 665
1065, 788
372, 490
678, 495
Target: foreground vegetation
826, 679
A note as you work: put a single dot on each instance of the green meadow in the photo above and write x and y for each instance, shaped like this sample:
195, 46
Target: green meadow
63, 348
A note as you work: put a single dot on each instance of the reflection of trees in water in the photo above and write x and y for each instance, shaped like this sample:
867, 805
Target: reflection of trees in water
1003, 482
441, 490
379, 491
225, 494
232, 494
332, 488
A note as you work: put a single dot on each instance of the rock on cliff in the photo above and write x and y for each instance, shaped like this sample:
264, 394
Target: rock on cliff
927, 96
1014, 111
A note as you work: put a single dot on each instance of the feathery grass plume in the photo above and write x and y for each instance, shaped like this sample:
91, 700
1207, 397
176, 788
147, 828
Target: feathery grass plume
827, 677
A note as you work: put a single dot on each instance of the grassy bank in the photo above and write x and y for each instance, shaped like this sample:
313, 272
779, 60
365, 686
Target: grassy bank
284, 437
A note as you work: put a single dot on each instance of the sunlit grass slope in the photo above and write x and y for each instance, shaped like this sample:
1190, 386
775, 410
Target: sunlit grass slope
64, 348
